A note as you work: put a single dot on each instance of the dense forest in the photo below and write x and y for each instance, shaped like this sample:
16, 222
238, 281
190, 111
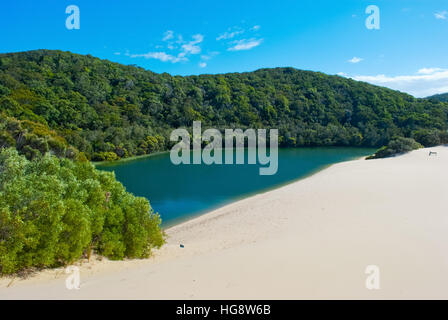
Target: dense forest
443, 97
86, 108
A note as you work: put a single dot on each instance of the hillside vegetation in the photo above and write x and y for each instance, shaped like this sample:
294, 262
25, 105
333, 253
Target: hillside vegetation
81, 106
439, 97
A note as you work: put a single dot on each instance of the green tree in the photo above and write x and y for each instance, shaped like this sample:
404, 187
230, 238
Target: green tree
55, 211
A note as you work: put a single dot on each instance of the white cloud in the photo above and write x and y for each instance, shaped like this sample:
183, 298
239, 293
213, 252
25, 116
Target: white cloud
426, 82
429, 70
173, 41
441, 15
117, 53
355, 60
162, 56
245, 44
342, 74
180, 39
168, 35
187, 48
192, 46
229, 35
236, 31
209, 55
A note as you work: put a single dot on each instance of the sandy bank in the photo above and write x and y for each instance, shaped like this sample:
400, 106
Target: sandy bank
310, 239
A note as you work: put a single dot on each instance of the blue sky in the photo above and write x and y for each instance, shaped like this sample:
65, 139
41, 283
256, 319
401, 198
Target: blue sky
408, 52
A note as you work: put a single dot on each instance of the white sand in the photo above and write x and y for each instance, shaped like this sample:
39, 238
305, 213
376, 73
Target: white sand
309, 239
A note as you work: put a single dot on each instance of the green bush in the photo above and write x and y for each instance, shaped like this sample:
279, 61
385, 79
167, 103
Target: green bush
428, 138
396, 146
105, 156
54, 211
32, 139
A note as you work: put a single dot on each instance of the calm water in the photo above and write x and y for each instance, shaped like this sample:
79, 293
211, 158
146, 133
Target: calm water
180, 192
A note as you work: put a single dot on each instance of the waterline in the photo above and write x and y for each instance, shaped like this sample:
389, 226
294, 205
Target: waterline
181, 192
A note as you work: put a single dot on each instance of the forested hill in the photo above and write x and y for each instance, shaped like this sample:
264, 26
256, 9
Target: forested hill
54, 100
439, 97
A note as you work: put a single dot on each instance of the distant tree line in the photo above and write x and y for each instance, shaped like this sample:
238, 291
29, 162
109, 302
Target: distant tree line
439, 97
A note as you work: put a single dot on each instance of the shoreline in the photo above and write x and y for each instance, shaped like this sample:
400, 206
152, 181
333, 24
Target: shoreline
143, 156
310, 238
128, 159
249, 195
194, 215
253, 194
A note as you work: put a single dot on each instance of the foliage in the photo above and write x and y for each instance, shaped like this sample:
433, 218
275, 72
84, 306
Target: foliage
54, 211
439, 97
430, 138
99, 107
34, 139
396, 146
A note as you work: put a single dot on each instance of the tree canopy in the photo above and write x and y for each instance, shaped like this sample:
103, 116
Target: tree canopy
54, 211
108, 111
439, 97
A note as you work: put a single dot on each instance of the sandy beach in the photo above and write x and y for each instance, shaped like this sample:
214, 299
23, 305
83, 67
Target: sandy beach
311, 239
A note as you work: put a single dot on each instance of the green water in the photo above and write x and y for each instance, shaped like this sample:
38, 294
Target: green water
180, 192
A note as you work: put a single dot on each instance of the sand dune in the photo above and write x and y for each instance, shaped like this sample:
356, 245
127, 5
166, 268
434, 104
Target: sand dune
309, 239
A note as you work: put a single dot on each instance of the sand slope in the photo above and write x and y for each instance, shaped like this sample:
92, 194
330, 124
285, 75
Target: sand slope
310, 239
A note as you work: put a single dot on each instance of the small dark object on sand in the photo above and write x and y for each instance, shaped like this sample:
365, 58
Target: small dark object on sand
432, 153
181, 245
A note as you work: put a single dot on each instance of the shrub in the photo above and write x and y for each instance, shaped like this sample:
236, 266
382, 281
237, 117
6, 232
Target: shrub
55, 211
428, 138
32, 139
6, 140
396, 146
105, 156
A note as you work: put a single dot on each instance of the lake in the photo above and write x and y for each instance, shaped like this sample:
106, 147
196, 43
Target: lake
180, 192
